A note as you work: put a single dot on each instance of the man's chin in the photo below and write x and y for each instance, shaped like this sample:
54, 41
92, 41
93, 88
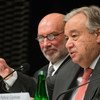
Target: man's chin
75, 60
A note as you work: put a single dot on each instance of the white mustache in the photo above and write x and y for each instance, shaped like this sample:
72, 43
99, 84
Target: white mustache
72, 50
48, 48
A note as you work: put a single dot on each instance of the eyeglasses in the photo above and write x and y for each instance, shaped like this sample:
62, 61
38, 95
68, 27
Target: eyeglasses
50, 37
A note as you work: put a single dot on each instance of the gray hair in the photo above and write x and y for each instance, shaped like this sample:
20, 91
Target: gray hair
93, 16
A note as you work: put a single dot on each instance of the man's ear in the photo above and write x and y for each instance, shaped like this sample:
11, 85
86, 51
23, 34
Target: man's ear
98, 35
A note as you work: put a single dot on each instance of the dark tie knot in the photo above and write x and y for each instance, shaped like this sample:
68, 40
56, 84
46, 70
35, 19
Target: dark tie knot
50, 70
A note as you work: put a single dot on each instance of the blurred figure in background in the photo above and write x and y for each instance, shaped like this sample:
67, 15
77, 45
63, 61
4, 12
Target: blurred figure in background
16, 82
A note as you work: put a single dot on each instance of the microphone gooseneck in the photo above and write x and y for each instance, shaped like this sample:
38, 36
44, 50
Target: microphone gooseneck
71, 89
24, 67
19, 68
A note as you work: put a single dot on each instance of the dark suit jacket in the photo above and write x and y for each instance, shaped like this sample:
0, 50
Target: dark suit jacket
67, 77
64, 79
45, 68
51, 80
24, 83
93, 90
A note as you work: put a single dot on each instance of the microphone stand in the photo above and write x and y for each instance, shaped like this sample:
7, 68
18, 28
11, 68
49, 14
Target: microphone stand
19, 68
71, 89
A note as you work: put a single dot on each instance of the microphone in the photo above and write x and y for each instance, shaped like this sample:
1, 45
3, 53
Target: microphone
71, 89
23, 68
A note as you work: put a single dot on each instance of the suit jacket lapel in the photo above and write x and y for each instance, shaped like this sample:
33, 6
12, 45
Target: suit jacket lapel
93, 86
63, 64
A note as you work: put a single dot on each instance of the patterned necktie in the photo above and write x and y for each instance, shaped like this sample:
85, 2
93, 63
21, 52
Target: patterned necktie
81, 90
50, 71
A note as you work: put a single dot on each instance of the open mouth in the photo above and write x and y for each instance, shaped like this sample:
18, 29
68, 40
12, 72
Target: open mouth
72, 54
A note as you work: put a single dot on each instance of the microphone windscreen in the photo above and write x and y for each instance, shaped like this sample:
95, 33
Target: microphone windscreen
25, 67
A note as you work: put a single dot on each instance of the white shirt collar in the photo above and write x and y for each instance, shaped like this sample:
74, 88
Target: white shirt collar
57, 64
92, 66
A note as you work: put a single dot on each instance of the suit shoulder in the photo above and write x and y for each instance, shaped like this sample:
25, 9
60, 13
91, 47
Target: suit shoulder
44, 68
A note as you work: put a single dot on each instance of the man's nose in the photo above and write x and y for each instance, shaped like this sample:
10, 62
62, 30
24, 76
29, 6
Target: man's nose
69, 44
47, 42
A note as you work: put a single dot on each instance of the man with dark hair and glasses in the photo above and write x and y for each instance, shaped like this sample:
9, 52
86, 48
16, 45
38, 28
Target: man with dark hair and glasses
52, 44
